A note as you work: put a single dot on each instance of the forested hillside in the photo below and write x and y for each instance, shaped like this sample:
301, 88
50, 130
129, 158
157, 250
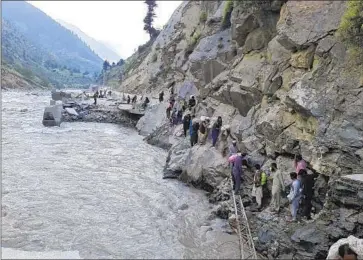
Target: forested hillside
40, 49
98, 47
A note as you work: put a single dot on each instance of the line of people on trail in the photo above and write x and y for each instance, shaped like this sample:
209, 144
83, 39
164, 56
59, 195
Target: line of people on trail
199, 130
134, 100
301, 191
302, 183
101, 94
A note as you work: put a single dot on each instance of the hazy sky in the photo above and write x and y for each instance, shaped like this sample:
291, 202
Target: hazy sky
119, 23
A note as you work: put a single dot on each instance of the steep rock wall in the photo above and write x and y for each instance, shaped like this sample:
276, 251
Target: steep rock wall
279, 76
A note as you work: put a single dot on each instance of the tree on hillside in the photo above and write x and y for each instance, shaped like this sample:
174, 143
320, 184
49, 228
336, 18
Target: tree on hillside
106, 65
113, 64
120, 62
149, 18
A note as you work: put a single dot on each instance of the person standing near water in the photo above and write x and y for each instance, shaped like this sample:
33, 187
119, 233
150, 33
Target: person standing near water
95, 96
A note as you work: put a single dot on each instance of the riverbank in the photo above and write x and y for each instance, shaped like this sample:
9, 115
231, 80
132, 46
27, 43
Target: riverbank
206, 168
74, 187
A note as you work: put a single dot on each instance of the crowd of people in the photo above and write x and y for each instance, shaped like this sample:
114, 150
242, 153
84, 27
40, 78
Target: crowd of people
302, 183
301, 190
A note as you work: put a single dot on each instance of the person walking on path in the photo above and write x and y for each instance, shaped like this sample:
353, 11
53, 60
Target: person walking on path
215, 130
294, 196
202, 131
237, 161
277, 187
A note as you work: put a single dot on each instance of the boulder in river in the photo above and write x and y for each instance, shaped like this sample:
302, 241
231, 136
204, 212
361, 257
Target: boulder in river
52, 115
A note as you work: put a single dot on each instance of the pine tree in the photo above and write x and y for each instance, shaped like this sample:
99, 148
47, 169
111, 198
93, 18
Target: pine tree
106, 65
149, 18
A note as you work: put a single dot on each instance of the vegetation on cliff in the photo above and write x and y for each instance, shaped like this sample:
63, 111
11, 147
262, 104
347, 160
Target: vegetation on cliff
351, 30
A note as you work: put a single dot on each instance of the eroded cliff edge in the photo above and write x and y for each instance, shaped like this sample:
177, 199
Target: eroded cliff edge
285, 81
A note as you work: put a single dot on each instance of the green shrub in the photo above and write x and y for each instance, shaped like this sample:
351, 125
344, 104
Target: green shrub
351, 26
203, 17
226, 19
192, 42
195, 37
350, 30
253, 5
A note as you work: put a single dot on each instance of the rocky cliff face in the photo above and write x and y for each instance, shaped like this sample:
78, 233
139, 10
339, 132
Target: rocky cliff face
279, 76
277, 73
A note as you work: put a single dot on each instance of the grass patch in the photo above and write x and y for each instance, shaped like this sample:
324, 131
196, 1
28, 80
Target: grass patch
227, 12
203, 17
253, 5
193, 41
350, 30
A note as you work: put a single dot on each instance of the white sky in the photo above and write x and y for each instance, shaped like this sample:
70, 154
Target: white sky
119, 23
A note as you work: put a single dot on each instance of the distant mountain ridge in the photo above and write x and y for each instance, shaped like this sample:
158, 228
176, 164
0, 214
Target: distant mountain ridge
104, 50
39, 48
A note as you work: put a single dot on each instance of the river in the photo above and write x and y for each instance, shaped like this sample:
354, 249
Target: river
96, 190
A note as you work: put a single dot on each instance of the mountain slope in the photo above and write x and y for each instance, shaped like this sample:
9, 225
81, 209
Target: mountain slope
287, 81
104, 51
64, 46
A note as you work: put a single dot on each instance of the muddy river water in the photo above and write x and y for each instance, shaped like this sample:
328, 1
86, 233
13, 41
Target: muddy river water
96, 191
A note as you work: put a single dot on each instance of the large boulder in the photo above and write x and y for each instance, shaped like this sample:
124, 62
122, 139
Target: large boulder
52, 115
348, 191
257, 40
303, 59
238, 96
277, 53
304, 22
248, 69
176, 160
153, 118
205, 167
242, 24
199, 165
